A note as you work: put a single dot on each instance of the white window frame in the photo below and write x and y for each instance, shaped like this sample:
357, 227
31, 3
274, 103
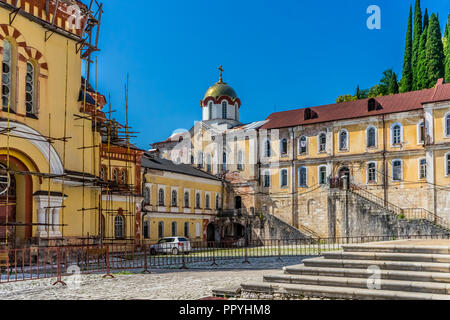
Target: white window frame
10, 86
199, 195
367, 172
376, 137
149, 188
306, 177
446, 132
188, 192
240, 162
33, 89
174, 189
287, 178
300, 146
266, 173
282, 153
318, 174
267, 142
401, 170
392, 135
318, 142
419, 169
346, 141
420, 143
446, 166
198, 233
208, 195
164, 196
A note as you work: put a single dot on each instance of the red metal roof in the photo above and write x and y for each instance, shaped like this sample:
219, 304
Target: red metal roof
357, 109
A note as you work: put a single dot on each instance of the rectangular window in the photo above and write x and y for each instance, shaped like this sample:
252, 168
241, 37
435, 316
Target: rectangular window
284, 178
302, 145
197, 230
322, 142
160, 229
174, 229
423, 169
266, 180
448, 164
397, 170
186, 229
146, 230
371, 172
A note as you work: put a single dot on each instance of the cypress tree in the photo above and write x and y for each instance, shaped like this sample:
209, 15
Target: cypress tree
407, 75
393, 84
426, 20
422, 63
434, 52
447, 53
416, 40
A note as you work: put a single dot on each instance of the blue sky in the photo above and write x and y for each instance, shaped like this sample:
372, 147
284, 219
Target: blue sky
277, 55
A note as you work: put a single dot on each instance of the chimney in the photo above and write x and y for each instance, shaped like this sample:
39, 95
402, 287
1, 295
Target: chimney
440, 82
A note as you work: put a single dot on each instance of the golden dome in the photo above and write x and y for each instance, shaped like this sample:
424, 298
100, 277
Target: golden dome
220, 89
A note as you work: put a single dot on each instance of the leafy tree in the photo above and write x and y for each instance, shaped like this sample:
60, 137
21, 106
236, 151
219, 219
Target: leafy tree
406, 83
346, 98
388, 84
434, 52
426, 20
393, 85
375, 91
416, 40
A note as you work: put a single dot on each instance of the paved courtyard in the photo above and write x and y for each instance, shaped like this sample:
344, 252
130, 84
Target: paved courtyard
169, 284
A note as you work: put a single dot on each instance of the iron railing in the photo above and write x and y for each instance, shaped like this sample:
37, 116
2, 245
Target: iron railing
56, 262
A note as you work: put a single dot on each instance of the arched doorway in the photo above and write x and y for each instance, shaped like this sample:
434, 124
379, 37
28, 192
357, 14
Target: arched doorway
7, 203
211, 232
238, 203
20, 198
344, 172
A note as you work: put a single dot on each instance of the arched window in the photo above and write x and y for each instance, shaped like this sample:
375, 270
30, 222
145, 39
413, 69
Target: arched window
371, 172
207, 202
447, 124
284, 178
302, 145
174, 229
343, 140
371, 137
266, 179
119, 227
322, 142
322, 175
146, 229
160, 229
197, 201
421, 133
397, 170
447, 164
208, 163
161, 197
224, 110
302, 177
283, 146
7, 80
124, 177
268, 149
103, 173
29, 89
174, 198
115, 175
186, 200
210, 109
236, 113
200, 159
240, 165
396, 134
186, 229
147, 195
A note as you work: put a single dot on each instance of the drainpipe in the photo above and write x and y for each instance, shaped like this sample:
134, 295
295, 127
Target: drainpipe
293, 181
385, 173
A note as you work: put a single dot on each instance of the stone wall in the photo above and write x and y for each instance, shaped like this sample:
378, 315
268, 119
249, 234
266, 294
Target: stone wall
271, 227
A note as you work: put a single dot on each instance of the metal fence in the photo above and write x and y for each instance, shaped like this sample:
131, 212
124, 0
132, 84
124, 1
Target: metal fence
56, 262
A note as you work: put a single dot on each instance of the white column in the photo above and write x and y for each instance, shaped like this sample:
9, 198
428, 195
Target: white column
41, 219
55, 227
49, 214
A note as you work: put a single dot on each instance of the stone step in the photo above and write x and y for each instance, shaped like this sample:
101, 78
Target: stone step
388, 256
364, 273
382, 284
301, 290
384, 265
396, 248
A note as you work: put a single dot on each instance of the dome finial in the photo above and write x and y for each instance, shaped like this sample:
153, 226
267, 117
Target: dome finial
221, 72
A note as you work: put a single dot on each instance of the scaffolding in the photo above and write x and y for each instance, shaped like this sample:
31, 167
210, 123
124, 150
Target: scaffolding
107, 136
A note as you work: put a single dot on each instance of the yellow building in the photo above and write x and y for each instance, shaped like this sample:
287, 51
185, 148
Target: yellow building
395, 148
54, 148
179, 200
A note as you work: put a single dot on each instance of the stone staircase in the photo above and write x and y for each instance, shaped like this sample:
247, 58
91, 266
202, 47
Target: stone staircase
363, 272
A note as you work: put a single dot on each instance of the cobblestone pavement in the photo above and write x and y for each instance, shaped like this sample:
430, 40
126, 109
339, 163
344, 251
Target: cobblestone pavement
168, 284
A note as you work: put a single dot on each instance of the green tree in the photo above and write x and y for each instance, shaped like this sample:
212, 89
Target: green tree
426, 20
393, 85
345, 98
388, 84
416, 40
406, 84
374, 91
422, 80
447, 52
434, 52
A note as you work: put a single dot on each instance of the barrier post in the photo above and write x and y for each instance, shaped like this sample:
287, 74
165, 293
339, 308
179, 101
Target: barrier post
108, 274
213, 255
145, 261
279, 250
182, 257
319, 251
58, 268
246, 254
